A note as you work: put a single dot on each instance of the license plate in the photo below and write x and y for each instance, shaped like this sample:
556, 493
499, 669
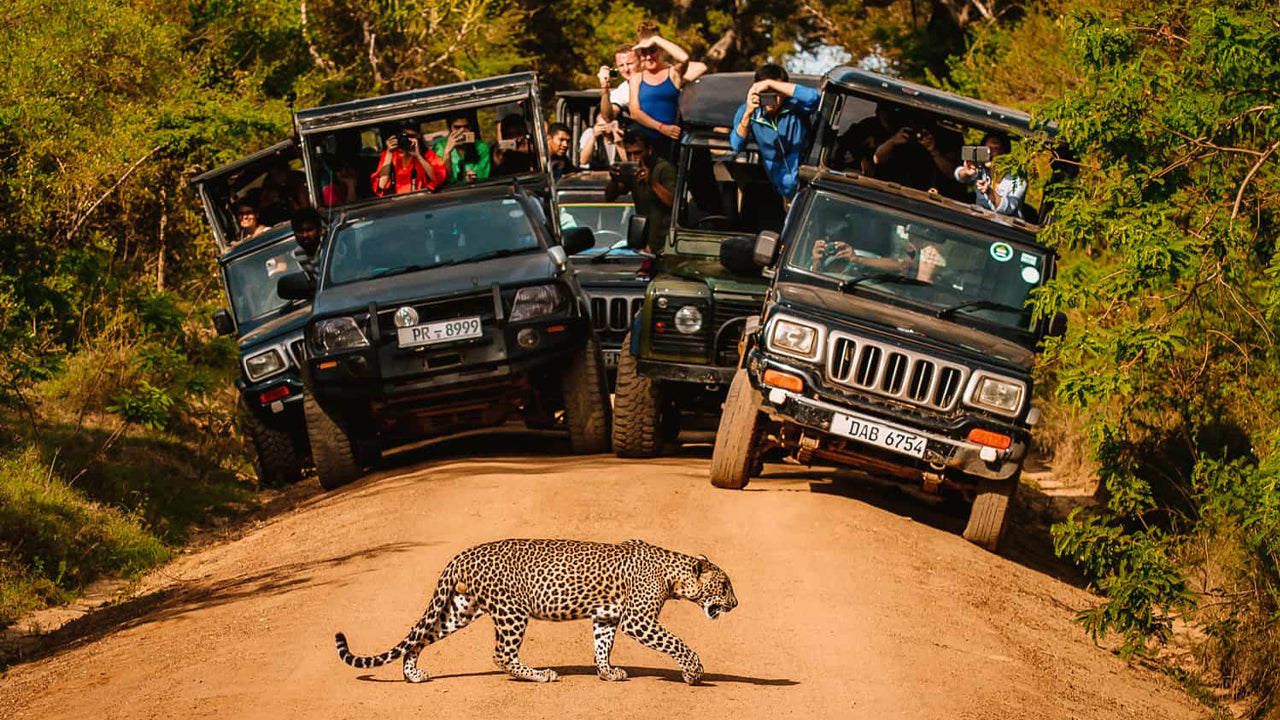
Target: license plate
438, 332
879, 435
610, 358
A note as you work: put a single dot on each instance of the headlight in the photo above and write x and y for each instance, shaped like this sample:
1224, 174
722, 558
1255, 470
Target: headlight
688, 320
993, 393
263, 364
340, 334
794, 338
536, 301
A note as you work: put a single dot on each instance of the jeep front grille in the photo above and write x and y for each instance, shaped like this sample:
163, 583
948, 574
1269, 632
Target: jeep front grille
298, 349
729, 320
886, 370
614, 312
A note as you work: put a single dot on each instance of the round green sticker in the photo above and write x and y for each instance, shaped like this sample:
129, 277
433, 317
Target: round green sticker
1001, 252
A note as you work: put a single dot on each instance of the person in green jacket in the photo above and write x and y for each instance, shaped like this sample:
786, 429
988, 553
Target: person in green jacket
465, 155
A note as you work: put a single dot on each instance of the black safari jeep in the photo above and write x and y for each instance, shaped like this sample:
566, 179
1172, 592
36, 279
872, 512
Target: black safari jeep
682, 347
269, 328
896, 336
612, 274
437, 312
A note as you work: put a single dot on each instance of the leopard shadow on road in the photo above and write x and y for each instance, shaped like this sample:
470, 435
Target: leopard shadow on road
633, 673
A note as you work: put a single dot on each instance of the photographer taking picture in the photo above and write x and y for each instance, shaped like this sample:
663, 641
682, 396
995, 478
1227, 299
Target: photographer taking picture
1003, 193
777, 116
651, 180
406, 165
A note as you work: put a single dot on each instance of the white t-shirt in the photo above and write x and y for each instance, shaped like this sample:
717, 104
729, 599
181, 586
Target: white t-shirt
589, 137
621, 95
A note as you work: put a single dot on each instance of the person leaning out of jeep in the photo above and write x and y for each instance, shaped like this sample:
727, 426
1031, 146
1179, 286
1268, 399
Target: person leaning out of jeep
407, 165
651, 180
778, 116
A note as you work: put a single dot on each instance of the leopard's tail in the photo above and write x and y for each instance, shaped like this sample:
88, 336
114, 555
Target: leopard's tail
444, 588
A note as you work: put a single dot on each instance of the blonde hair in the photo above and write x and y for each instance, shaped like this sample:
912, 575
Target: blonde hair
647, 28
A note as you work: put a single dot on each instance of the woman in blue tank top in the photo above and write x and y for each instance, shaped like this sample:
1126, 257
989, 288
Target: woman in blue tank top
655, 89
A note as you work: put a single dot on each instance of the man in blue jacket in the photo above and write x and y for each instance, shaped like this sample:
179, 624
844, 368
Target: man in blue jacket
780, 123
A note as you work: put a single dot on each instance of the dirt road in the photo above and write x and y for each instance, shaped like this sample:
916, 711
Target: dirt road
855, 602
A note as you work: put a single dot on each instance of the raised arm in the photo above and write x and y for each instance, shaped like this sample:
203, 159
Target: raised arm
606, 105
679, 59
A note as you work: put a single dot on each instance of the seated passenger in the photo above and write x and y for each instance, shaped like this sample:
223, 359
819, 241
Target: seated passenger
781, 125
513, 155
465, 155
404, 167
246, 212
340, 187
1002, 194
308, 231
271, 207
289, 185
651, 182
601, 145
558, 141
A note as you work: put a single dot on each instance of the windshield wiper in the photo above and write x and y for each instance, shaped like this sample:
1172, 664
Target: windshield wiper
980, 305
399, 270
505, 252
852, 283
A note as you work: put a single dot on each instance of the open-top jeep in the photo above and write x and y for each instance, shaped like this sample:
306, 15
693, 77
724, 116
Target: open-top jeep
268, 327
896, 336
681, 350
436, 312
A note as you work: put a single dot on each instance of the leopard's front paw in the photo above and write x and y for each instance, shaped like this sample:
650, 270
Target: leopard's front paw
612, 674
692, 674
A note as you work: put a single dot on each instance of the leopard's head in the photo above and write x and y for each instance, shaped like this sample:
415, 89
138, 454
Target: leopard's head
707, 585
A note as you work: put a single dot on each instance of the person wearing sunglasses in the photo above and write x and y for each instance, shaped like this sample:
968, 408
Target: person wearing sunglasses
656, 85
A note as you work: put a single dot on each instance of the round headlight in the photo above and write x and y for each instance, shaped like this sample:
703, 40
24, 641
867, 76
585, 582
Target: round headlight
688, 320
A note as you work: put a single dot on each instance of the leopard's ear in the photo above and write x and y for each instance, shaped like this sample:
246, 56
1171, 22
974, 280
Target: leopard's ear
701, 564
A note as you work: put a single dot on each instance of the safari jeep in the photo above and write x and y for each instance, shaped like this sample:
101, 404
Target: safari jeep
437, 312
268, 327
896, 337
681, 350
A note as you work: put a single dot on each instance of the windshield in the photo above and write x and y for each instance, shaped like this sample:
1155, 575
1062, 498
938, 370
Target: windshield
608, 221
430, 237
875, 250
251, 280
727, 192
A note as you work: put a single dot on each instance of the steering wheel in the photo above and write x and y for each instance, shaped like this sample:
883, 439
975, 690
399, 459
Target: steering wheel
710, 218
611, 236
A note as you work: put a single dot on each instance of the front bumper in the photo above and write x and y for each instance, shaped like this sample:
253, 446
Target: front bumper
942, 452
687, 373
275, 396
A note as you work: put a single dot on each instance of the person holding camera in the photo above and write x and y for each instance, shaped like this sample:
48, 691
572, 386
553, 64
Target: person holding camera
777, 116
614, 101
651, 180
601, 145
406, 166
465, 155
513, 155
1004, 193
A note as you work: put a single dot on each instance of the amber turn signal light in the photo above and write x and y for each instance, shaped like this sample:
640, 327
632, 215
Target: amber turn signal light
990, 439
786, 381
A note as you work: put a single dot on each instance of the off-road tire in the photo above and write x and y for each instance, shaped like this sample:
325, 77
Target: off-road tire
586, 401
332, 447
734, 458
275, 460
989, 516
637, 401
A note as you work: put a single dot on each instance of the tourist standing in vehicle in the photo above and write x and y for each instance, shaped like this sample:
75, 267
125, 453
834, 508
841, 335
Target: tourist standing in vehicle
601, 145
513, 154
465, 155
308, 230
777, 115
404, 167
651, 182
1003, 193
614, 101
558, 141
655, 86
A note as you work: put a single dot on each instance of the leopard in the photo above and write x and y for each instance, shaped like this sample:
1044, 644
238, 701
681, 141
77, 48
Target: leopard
623, 585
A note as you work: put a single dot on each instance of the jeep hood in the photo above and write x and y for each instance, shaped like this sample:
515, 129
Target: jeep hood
276, 328
716, 276
922, 327
523, 269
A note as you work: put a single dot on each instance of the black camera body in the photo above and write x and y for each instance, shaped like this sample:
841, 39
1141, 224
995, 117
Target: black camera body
768, 99
977, 154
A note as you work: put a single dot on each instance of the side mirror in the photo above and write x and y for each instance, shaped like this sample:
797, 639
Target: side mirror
294, 286
637, 232
736, 254
578, 239
766, 249
1057, 325
222, 323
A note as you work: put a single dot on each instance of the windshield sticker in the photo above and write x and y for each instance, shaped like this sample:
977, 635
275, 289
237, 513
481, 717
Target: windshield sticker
508, 201
1029, 259
1030, 275
1001, 252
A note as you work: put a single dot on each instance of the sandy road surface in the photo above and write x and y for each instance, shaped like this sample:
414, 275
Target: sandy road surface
854, 603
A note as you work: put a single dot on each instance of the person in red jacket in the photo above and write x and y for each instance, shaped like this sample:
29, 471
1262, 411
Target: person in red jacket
409, 168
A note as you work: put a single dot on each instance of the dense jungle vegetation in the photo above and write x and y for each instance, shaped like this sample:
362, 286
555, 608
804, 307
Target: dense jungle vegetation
117, 423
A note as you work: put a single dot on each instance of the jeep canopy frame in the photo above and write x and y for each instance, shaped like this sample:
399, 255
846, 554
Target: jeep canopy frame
219, 187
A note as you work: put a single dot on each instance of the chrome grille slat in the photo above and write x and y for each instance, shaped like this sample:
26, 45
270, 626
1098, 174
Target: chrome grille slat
614, 313
894, 372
